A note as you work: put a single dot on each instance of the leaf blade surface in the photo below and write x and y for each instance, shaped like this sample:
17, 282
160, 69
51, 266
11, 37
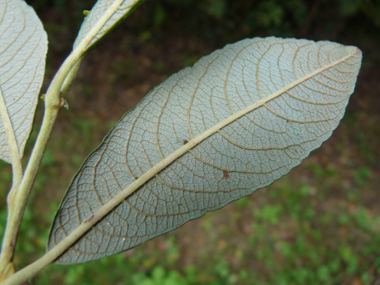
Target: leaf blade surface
239, 119
23, 47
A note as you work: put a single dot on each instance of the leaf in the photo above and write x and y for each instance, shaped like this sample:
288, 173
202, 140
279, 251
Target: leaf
23, 47
238, 120
114, 11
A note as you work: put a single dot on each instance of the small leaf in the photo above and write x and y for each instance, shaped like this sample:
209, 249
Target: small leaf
241, 118
103, 17
23, 47
117, 14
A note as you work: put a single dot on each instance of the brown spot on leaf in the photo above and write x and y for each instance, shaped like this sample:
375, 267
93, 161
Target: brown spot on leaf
185, 142
225, 174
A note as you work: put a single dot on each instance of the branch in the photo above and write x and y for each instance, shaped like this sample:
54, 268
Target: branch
7, 250
52, 106
12, 142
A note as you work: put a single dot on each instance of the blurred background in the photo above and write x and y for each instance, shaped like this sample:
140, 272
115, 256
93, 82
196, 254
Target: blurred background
318, 225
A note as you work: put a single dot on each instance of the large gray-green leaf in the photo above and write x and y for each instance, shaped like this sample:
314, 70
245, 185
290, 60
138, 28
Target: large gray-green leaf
239, 119
23, 46
116, 14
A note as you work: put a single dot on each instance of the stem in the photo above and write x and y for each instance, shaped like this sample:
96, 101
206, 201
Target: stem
16, 211
24, 189
7, 251
12, 142
70, 77
52, 106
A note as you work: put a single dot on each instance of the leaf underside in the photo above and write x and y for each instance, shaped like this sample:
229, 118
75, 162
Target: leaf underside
246, 154
23, 47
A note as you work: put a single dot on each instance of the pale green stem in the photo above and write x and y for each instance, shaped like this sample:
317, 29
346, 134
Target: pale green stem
19, 201
7, 250
70, 77
12, 142
52, 106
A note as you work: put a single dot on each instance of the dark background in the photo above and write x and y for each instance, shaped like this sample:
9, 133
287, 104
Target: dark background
318, 225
